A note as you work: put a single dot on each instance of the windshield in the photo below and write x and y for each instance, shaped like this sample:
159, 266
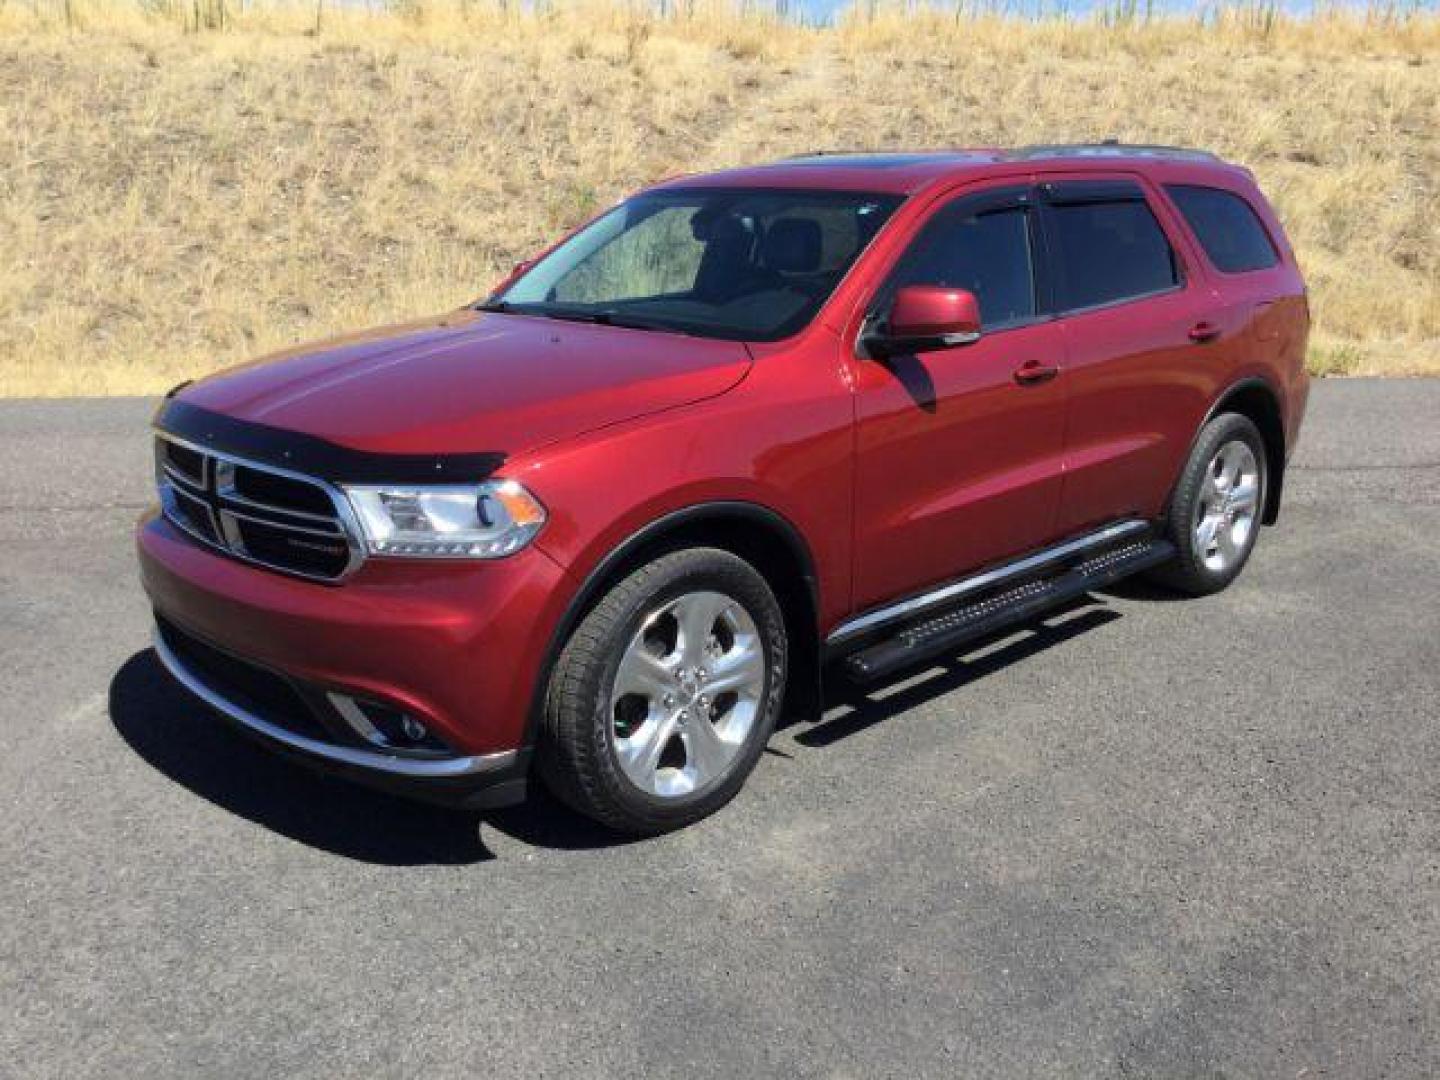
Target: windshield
746, 265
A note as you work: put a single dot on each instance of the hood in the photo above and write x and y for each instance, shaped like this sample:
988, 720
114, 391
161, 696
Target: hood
472, 382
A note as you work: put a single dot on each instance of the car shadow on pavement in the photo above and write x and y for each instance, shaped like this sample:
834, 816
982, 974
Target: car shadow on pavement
196, 749
1143, 589
850, 709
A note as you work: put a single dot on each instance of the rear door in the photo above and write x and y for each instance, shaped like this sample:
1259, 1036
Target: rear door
1142, 349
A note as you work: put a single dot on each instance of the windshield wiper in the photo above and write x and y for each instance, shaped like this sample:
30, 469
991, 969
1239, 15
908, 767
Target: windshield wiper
600, 316
631, 322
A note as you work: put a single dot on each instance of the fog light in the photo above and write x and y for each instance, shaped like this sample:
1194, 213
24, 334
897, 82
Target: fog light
383, 726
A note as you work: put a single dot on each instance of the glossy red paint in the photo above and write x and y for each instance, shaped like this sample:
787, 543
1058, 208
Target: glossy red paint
923, 311
1002, 445
895, 475
473, 382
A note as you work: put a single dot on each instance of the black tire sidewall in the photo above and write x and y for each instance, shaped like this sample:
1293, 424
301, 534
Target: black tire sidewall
608, 793
1189, 571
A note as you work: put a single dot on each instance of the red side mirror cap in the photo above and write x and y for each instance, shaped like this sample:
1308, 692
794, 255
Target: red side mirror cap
929, 313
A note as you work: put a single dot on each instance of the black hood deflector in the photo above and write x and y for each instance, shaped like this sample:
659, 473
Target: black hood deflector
314, 456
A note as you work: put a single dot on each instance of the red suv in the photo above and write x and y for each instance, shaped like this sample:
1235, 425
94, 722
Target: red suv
831, 415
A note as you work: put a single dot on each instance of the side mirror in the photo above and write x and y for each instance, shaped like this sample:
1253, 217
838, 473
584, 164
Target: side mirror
926, 317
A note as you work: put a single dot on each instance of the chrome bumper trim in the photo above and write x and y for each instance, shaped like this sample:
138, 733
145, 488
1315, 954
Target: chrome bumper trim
420, 768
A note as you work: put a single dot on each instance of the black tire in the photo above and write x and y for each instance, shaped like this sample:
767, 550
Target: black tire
1194, 571
577, 754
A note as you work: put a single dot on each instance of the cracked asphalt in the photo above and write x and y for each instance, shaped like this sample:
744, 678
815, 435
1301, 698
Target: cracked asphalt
1145, 838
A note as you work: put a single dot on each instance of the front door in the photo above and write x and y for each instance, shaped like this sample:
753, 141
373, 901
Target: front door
959, 451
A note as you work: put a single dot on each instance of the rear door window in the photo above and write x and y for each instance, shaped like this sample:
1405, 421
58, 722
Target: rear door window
1108, 250
1227, 227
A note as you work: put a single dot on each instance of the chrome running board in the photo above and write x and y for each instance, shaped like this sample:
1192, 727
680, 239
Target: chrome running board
958, 590
1014, 600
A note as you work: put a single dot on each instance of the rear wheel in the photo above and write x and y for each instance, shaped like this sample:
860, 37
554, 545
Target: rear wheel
1214, 515
665, 694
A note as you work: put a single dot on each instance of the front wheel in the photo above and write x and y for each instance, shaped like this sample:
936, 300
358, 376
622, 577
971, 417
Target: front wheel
1214, 515
665, 694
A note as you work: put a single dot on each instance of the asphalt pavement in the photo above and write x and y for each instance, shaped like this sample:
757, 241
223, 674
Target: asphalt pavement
1146, 838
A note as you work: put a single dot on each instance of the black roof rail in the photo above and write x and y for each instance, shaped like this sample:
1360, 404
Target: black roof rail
1112, 148
1109, 148
884, 159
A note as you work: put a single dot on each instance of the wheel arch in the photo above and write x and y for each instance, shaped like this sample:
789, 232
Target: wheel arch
1255, 399
759, 535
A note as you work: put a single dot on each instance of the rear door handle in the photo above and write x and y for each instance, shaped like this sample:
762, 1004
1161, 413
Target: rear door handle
1032, 371
1204, 331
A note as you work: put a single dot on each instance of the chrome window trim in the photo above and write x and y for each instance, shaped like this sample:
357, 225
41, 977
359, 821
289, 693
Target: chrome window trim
861, 624
1138, 298
349, 526
432, 768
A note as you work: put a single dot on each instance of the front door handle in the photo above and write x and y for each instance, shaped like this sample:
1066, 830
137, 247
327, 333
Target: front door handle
1204, 331
1032, 372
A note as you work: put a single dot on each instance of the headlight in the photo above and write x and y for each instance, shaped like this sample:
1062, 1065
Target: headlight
447, 521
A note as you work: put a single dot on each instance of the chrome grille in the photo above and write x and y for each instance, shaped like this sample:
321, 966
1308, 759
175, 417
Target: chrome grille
257, 513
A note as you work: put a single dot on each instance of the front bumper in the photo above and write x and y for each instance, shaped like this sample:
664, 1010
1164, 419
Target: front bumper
456, 645
482, 780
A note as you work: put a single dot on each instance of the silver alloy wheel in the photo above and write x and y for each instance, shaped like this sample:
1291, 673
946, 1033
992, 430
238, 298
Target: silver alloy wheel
1229, 503
686, 694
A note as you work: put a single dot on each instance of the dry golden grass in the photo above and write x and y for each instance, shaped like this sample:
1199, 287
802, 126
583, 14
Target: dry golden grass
173, 199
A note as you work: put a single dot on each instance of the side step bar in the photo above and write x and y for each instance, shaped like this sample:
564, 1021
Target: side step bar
1014, 594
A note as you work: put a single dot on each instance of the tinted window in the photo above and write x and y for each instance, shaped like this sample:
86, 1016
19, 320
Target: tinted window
1227, 228
986, 253
1109, 251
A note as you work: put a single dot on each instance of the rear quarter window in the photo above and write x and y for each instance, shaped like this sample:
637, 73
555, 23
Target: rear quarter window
1227, 227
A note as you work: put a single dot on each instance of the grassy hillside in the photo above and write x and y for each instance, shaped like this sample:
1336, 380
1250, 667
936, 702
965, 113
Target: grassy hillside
183, 186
